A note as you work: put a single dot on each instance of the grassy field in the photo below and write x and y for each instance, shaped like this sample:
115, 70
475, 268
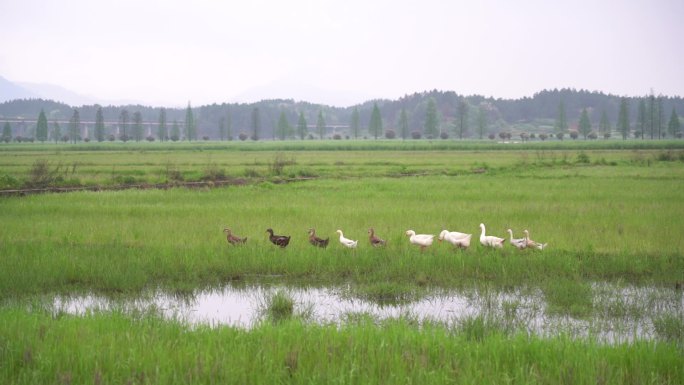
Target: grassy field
117, 164
608, 214
116, 348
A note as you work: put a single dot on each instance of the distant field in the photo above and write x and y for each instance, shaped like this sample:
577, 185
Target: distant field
118, 164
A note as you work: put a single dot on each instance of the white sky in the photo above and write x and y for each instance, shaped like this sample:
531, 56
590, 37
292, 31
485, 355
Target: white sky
341, 52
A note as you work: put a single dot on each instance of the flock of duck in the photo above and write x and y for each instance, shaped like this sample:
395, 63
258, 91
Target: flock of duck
457, 239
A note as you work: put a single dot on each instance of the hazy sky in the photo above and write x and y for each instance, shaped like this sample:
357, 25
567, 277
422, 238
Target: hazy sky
169, 52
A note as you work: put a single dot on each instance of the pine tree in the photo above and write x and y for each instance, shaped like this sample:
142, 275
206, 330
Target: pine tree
302, 129
123, 120
175, 131
190, 131
355, 123
623, 118
75, 127
403, 124
7, 132
604, 125
229, 125
137, 126
562, 120
660, 117
375, 124
222, 128
674, 127
584, 124
56, 131
462, 118
283, 126
641, 117
256, 123
162, 130
320, 125
99, 125
431, 119
651, 110
42, 127
481, 121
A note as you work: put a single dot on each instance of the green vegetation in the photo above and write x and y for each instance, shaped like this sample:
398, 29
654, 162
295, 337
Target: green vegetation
608, 214
115, 348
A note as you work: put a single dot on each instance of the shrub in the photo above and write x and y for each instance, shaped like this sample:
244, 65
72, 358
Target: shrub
574, 134
242, 136
444, 135
491, 136
560, 136
390, 134
337, 137
606, 135
543, 136
592, 135
150, 138
416, 135
40, 174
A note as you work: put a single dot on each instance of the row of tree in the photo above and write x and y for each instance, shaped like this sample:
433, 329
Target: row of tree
431, 115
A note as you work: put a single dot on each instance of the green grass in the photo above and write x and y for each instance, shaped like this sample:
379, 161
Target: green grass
610, 211
38, 348
598, 228
108, 165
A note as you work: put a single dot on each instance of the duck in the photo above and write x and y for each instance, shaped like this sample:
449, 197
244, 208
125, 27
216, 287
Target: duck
374, 240
460, 240
316, 241
518, 243
490, 240
347, 242
422, 240
278, 240
531, 243
233, 239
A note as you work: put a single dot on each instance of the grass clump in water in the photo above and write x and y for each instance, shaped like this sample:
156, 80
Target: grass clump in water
387, 293
670, 328
279, 306
569, 297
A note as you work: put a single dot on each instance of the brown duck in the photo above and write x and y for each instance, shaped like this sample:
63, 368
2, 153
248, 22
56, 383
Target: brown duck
278, 240
374, 240
316, 241
232, 239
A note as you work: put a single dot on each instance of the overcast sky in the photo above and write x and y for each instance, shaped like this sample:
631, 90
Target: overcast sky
341, 52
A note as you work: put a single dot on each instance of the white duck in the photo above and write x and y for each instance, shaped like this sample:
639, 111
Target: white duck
490, 240
460, 240
531, 243
518, 243
422, 240
347, 242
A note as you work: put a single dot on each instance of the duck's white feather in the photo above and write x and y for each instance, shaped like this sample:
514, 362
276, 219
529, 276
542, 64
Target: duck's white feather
490, 240
347, 242
518, 243
455, 238
422, 240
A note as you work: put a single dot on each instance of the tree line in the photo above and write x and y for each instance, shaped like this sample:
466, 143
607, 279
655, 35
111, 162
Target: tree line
434, 114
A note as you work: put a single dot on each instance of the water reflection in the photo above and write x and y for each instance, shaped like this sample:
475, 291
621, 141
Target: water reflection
620, 313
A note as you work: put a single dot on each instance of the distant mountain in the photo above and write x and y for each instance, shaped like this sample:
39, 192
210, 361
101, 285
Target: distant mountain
287, 89
11, 91
58, 93
22, 90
